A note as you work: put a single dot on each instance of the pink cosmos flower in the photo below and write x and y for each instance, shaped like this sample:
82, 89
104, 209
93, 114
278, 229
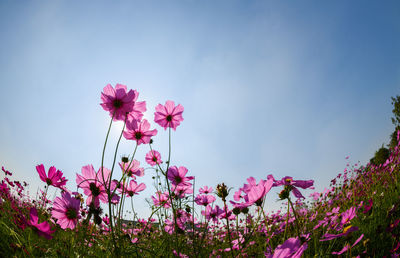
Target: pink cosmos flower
133, 169
54, 178
161, 199
168, 115
93, 184
204, 200
347, 246
138, 109
348, 215
291, 248
213, 213
133, 188
206, 190
287, 180
42, 229
66, 211
153, 158
257, 193
118, 101
346, 231
177, 176
181, 190
139, 131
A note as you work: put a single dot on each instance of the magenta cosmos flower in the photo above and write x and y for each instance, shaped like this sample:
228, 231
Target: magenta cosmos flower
133, 170
204, 200
42, 229
291, 248
287, 180
118, 101
133, 188
153, 158
54, 177
66, 211
161, 199
177, 176
168, 115
139, 131
206, 190
92, 184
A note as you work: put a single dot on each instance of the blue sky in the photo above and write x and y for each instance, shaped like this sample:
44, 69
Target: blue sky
267, 86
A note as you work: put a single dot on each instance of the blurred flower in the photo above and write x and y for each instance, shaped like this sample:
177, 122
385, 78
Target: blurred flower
153, 158
133, 169
42, 229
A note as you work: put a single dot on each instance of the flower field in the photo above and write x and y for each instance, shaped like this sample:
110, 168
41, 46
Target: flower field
357, 216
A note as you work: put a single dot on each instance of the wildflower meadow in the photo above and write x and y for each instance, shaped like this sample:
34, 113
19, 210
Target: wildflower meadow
358, 214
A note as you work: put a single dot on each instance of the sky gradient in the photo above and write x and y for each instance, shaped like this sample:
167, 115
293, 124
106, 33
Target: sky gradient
268, 87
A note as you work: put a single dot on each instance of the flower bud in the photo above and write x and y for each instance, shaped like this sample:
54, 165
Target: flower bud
222, 191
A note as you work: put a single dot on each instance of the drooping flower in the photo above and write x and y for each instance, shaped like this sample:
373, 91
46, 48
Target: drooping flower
42, 229
257, 193
168, 115
133, 170
139, 131
288, 181
54, 177
133, 188
177, 176
153, 158
66, 211
118, 101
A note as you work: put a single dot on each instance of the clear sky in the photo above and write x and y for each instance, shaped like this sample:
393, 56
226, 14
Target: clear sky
288, 88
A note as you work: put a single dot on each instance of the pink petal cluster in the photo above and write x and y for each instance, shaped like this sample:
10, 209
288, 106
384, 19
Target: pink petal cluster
42, 229
132, 188
94, 184
161, 199
153, 158
204, 200
177, 176
66, 211
287, 180
254, 193
139, 131
133, 170
54, 177
118, 101
168, 115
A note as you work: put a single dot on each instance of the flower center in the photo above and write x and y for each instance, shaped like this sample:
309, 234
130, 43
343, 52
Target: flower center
130, 193
71, 213
48, 181
178, 179
138, 135
94, 189
154, 158
169, 118
117, 103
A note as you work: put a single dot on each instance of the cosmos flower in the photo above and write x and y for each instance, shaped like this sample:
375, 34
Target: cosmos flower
66, 211
168, 115
133, 170
54, 177
177, 176
204, 200
213, 213
118, 101
153, 158
139, 131
288, 181
42, 229
93, 184
291, 248
161, 199
133, 188
206, 190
